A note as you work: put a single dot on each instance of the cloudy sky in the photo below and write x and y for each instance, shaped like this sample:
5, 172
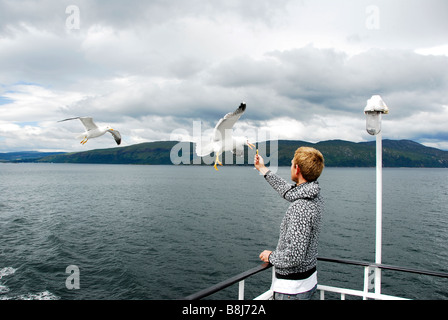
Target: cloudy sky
153, 69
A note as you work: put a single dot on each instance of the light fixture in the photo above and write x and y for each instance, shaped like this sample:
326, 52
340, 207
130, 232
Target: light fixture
374, 109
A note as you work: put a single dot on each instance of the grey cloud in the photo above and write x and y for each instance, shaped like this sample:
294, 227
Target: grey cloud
50, 15
45, 59
45, 15
414, 22
401, 24
176, 98
325, 79
116, 38
309, 80
243, 71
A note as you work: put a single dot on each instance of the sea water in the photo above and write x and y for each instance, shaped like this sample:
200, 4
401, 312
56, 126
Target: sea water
164, 232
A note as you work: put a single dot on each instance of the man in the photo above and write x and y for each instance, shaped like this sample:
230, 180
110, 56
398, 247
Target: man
295, 257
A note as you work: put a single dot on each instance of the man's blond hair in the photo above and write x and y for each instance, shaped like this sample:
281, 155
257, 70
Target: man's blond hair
310, 161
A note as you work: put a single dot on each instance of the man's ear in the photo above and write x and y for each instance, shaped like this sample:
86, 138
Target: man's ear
297, 169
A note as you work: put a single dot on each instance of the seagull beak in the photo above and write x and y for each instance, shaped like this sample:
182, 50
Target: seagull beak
250, 145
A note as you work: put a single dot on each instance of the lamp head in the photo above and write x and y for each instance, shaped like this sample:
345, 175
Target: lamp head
374, 109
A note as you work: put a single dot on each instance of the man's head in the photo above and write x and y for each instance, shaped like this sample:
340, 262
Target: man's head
308, 162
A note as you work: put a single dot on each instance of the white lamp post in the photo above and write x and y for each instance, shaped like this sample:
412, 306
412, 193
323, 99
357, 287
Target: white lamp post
374, 110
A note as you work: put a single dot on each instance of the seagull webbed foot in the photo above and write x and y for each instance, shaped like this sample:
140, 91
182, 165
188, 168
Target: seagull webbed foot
216, 163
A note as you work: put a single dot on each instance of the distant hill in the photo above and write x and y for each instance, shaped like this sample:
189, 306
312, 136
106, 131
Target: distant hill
396, 153
143, 153
337, 153
25, 156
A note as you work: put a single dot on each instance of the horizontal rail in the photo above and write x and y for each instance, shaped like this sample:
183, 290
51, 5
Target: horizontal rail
227, 283
386, 267
357, 293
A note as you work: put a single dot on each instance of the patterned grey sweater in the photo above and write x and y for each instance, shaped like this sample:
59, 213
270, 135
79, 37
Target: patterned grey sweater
296, 250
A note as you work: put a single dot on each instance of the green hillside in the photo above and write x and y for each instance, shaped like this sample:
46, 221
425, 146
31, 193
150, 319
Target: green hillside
337, 153
143, 153
25, 156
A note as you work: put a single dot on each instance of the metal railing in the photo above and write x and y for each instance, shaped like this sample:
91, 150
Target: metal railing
365, 294
227, 283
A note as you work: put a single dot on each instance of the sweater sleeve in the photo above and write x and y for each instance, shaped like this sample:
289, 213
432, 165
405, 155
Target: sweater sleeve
279, 184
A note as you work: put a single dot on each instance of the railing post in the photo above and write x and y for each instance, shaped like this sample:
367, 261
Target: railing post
368, 277
241, 290
379, 210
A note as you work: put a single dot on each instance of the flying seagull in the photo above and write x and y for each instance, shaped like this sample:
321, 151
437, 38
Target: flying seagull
93, 131
222, 139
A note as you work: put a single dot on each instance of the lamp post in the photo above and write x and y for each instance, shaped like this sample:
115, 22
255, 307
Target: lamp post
374, 110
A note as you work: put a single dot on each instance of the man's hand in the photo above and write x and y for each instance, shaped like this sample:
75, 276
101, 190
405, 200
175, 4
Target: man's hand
264, 256
259, 164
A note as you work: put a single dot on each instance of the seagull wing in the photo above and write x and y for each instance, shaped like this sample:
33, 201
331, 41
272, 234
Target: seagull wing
228, 122
86, 121
116, 135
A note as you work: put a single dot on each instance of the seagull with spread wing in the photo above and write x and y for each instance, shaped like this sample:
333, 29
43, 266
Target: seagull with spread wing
222, 139
93, 131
